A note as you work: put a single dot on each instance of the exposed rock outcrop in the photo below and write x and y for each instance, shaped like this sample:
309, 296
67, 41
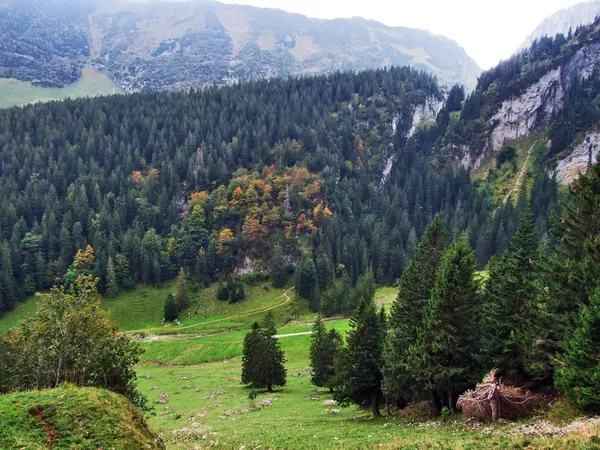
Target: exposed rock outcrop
518, 116
580, 159
428, 110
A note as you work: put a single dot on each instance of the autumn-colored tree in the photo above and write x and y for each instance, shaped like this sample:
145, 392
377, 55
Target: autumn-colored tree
84, 259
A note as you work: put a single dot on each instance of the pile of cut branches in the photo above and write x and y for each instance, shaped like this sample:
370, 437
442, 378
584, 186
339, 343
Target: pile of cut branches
493, 400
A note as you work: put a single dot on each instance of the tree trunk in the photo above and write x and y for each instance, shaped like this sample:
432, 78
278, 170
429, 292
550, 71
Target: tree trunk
375, 405
436, 403
270, 388
495, 409
401, 402
452, 401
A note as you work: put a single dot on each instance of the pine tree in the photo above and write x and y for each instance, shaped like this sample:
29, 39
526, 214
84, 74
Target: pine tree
112, 286
406, 316
443, 355
358, 374
263, 360
306, 281
578, 373
509, 312
251, 359
279, 272
171, 308
324, 348
272, 361
182, 294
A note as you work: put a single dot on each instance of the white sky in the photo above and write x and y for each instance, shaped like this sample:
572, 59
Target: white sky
488, 31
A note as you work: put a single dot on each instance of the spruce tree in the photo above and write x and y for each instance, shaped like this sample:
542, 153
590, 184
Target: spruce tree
578, 373
278, 266
272, 361
171, 308
324, 348
251, 359
406, 316
263, 360
306, 281
509, 312
358, 374
112, 285
443, 357
182, 294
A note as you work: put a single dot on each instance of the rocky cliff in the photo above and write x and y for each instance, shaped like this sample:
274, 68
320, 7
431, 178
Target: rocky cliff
564, 20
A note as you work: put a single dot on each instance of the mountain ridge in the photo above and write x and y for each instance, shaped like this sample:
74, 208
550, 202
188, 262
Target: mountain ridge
159, 45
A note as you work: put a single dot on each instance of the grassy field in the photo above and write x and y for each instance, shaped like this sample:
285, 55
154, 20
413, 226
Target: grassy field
92, 83
206, 406
192, 379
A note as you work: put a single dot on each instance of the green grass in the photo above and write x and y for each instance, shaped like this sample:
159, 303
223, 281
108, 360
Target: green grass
69, 417
21, 312
92, 83
141, 310
216, 405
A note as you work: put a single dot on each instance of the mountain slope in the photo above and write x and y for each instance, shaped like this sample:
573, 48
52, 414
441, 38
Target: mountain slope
564, 20
153, 46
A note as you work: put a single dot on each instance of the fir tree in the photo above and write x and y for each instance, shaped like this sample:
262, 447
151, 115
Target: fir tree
358, 368
112, 285
324, 348
182, 294
171, 308
406, 316
578, 373
251, 359
279, 272
306, 281
508, 312
272, 361
443, 356
263, 360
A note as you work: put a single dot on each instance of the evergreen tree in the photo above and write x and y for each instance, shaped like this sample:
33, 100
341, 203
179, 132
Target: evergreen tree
306, 281
222, 291
182, 294
358, 374
443, 357
578, 373
278, 266
263, 359
406, 316
509, 312
252, 355
324, 348
171, 308
112, 285
272, 361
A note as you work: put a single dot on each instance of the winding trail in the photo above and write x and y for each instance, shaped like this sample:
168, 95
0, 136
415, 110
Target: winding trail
521, 175
287, 299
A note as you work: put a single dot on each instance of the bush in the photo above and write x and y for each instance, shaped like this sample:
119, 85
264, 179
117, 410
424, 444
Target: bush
171, 308
222, 292
238, 294
508, 154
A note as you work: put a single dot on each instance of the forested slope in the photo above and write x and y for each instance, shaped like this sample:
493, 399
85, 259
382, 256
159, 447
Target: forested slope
247, 177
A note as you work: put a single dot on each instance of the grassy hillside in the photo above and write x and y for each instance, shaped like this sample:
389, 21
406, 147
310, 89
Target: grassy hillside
92, 83
72, 417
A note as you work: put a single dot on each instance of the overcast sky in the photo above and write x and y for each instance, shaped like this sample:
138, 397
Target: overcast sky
488, 31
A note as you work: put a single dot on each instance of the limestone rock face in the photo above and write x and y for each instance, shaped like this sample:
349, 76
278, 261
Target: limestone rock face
518, 116
580, 159
428, 110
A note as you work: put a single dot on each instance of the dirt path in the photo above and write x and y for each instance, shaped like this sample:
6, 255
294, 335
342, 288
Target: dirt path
304, 333
287, 299
521, 175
